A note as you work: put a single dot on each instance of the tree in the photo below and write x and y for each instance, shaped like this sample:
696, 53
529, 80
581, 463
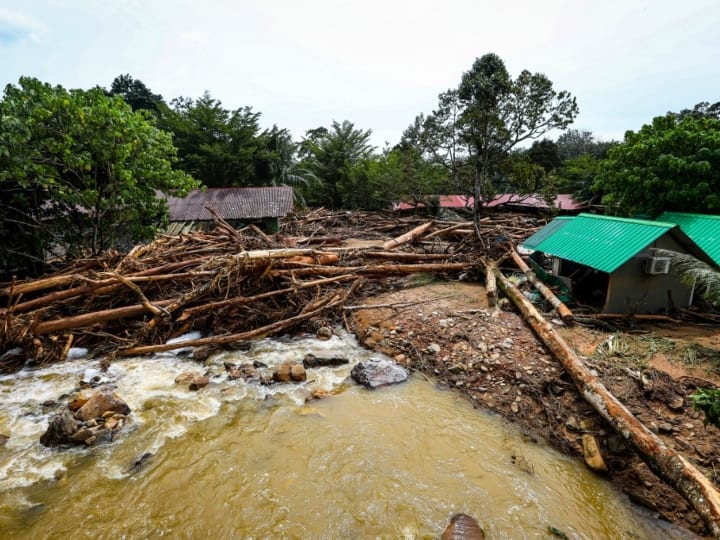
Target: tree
218, 146
671, 164
545, 153
703, 109
575, 143
135, 93
78, 174
500, 113
338, 158
577, 176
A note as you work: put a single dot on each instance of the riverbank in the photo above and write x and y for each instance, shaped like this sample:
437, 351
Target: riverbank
446, 331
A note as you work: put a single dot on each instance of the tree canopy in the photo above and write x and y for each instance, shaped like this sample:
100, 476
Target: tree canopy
78, 173
671, 164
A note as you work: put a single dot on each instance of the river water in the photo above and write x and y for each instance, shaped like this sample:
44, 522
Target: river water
238, 460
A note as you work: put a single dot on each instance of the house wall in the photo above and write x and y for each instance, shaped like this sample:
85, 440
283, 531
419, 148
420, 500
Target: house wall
631, 290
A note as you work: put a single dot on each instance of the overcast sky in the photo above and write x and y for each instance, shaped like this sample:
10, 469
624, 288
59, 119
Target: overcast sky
376, 63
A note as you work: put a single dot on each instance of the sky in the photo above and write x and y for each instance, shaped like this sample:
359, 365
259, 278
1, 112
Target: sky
377, 63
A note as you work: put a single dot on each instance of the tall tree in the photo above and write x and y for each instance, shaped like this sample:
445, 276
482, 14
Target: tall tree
671, 164
135, 93
499, 113
215, 145
78, 174
337, 157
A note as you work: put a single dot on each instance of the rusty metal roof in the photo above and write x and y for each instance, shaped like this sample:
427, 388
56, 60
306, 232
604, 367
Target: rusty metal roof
703, 229
232, 203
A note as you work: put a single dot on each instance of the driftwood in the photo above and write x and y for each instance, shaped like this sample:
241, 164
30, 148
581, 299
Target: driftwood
639, 317
564, 312
690, 482
490, 283
408, 236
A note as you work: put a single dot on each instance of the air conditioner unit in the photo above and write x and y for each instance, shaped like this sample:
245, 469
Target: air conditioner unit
657, 265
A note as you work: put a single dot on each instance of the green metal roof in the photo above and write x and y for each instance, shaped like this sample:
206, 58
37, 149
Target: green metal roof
702, 228
547, 231
602, 242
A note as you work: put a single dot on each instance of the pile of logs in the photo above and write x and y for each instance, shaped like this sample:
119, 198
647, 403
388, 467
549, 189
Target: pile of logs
229, 284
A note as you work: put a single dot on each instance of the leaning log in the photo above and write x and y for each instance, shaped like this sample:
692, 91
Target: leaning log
564, 312
663, 460
407, 237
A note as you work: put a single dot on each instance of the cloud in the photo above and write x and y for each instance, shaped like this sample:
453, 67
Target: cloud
16, 28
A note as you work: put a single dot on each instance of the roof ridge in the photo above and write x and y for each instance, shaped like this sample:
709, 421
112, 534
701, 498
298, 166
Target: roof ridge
637, 221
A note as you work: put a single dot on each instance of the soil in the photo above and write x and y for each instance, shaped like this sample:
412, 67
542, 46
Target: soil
446, 331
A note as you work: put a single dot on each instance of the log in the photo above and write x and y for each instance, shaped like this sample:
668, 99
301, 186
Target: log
407, 237
232, 338
490, 283
564, 312
640, 317
378, 270
88, 319
674, 469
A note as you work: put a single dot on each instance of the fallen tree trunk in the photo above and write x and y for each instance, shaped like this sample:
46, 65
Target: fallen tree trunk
490, 283
379, 270
690, 482
564, 312
88, 319
408, 236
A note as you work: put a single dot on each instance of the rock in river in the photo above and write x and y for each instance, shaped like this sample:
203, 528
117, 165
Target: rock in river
378, 372
102, 401
62, 427
463, 527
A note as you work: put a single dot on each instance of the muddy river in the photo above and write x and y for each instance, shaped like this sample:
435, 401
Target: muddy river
238, 460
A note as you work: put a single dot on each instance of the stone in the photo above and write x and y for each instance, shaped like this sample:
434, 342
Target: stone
312, 361
80, 399
246, 372
103, 400
324, 333
193, 379
3, 439
60, 430
81, 435
198, 383
297, 373
378, 372
463, 527
433, 348
592, 455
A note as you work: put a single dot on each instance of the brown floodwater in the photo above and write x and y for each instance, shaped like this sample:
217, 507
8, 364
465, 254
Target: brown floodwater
243, 461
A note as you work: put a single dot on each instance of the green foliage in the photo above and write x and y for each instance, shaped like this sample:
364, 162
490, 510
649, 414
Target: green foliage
574, 143
78, 174
476, 127
577, 176
671, 164
135, 93
339, 158
707, 400
546, 154
218, 146
695, 273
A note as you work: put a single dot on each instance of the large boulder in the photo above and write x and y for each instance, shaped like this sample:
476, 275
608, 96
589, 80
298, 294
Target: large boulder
61, 429
102, 401
378, 372
463, 527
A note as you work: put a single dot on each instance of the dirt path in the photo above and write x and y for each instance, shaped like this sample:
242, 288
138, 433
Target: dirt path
447, 331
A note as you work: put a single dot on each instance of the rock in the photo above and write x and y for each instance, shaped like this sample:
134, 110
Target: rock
140, 462
463, 527
289, 371
81, 435
193, 379
103, 400
80, 399
3, 439
60, 430
676, 403
247, 372
200, 354
297, 373
592, 454
376, 373
433, 348
324, 333
312, 361
198, 383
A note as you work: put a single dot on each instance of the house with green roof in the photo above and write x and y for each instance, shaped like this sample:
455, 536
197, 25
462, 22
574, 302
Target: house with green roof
612, 262
704, 230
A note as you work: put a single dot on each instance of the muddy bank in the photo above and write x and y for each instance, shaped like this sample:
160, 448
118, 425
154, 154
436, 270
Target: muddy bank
448, 332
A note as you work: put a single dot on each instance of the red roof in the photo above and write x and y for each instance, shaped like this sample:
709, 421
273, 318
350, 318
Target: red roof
562, 201
232, 203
